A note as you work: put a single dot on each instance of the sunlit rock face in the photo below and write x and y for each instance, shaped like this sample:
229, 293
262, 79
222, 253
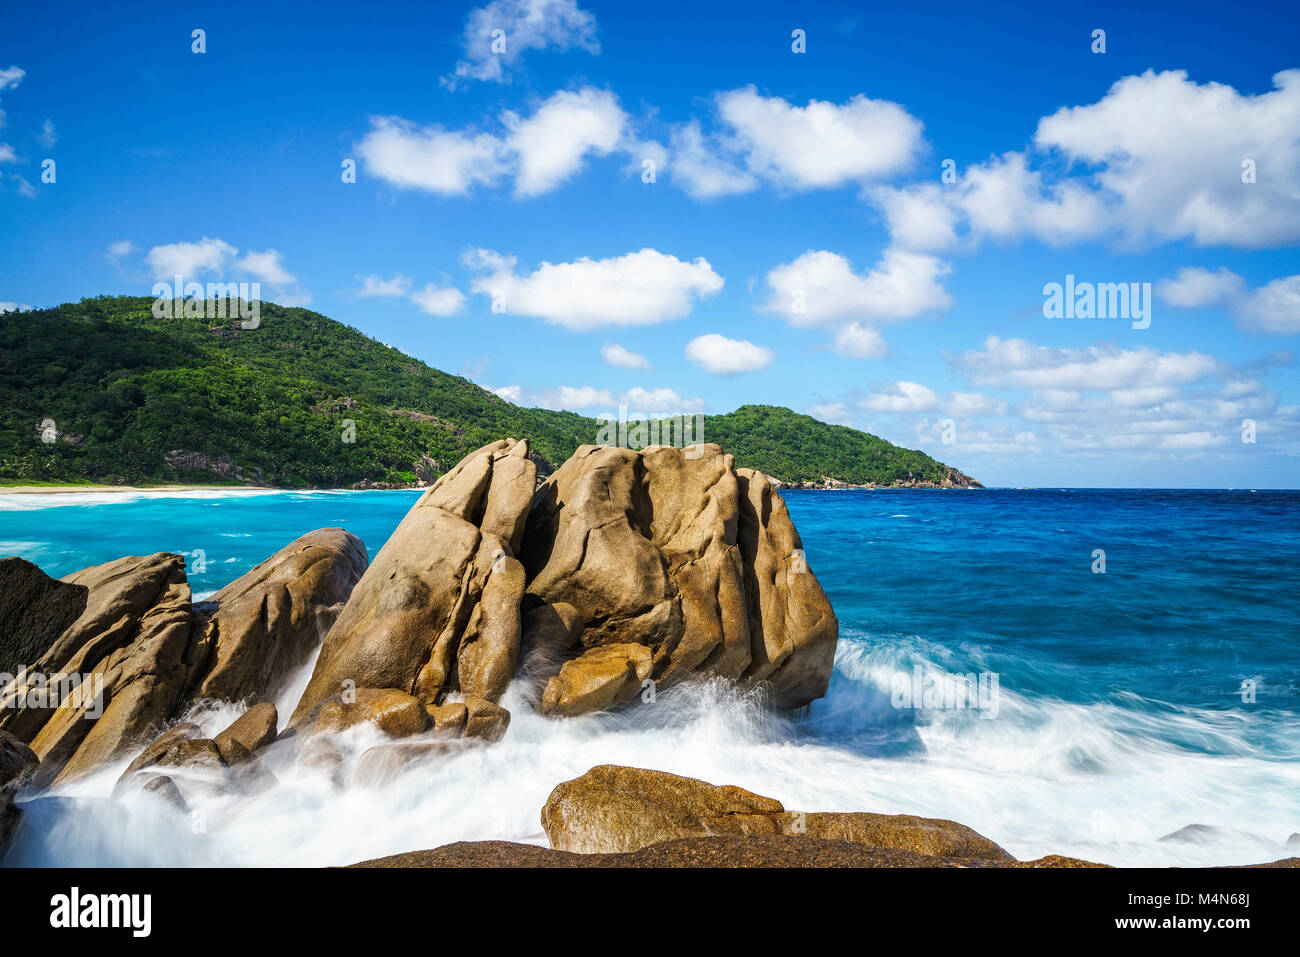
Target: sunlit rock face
664, 564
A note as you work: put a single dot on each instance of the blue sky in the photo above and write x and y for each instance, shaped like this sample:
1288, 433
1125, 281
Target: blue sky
798, 245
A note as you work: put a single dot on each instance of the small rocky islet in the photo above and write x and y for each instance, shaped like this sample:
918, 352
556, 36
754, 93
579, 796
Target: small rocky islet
617, 576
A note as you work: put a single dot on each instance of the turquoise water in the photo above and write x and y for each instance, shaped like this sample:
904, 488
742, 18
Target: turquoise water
1161, 693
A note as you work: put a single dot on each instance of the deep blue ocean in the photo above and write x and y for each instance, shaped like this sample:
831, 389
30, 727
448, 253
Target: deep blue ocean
1161, 692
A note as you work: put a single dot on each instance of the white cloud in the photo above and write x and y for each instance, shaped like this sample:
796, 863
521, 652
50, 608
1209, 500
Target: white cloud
1158, 158
1172, 151
856, 341
267, 267
7, 154
551, 144
1195, 288
11, 77
436, 301
818, 146
119, 250
640, 288
821, 288
49, 136
527, 25
834, 412
189, 260
662, 401
376, 286
567, 398
430, 158
616, 355
719, 355
511, 393
216, 258
1274, 307
14, 307
540, 152
1019, 363
704, 173
901, 397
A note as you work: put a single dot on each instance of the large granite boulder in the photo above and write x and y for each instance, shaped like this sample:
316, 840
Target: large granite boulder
615, 809
262, 626
129, 648
438, 610
677, 554
34, 610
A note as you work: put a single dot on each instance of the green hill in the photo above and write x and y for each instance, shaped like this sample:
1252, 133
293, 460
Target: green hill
135, 400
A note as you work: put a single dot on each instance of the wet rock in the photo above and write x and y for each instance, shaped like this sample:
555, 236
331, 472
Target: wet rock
383, 763
448, 719
485, 721
265, 624
160, 746
131, 645
438, 610
615, 809
396, 713
253, 729
679, 552
18, 765
602, 678
164, 787
1195, 834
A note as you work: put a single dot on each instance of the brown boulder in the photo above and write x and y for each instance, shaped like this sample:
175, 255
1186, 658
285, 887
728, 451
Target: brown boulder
448, 719
396, 713
253, 729
681, 553
134, 637
438, 609
263, 625
602, 678
614, 809
485, 720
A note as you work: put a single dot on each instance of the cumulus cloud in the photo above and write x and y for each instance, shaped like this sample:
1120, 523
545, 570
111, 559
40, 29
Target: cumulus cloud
856, 341
821, 288
1273, 307
639, 288
616, 355
14, 307
430, 158
1195, 288
1017, 362
1158, 158
551, 144
719, 355
540, 151
524, 25
439, 300
375, 286
210, 258
189, 259
268, 267
817, 146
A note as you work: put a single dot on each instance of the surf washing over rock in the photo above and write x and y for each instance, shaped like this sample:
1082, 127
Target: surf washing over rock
621, 575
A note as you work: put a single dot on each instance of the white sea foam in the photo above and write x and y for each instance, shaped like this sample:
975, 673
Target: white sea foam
1096, 781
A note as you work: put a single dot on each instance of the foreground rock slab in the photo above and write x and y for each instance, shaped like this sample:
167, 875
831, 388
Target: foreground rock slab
665, 564
613, 809
735, 851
